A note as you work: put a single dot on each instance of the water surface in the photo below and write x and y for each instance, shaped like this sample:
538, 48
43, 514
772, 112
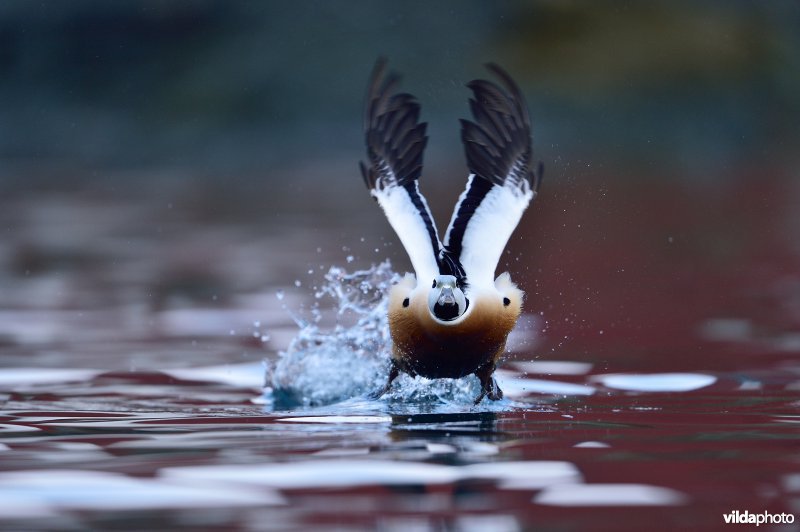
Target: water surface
190, 370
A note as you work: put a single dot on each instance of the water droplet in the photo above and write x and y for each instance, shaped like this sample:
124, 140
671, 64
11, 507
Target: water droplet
298, 283
232, 332
279, 294
256, 324
265, 338
350, 258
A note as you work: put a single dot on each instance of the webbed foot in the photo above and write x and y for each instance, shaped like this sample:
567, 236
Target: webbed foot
394, 371
489, 387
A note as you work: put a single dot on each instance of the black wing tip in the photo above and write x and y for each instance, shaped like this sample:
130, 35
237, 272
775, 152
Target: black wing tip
367, 175
497, 141
379, 69
395, 137
380, 82
538, 175
504, 76
381, 61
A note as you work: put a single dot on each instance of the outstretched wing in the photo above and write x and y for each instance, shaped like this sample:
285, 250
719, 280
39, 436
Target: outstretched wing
501, 183
395, 142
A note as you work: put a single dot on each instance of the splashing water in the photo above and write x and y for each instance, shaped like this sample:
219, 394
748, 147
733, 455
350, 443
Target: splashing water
321, 367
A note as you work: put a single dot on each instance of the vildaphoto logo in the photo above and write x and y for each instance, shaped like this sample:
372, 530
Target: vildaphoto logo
762, 518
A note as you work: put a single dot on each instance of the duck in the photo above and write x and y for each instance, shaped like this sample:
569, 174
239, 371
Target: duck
451, 318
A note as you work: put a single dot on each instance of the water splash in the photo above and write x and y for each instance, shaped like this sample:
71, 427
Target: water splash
323, 366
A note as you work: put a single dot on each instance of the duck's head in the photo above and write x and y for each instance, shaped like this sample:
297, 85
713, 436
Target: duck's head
446, 301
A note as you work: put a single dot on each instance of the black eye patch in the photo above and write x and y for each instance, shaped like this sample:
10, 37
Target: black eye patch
405, 302
434, 284
506, 302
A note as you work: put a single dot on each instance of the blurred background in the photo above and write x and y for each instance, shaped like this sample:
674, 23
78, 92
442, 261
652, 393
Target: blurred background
167, 168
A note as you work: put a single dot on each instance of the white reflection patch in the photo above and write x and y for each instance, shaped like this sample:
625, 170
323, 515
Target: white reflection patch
57, 489
534, 474
17, 376
516, 387
335, 420
591, 445
609, 495
245, 375
318, 473
553, 367
657, 382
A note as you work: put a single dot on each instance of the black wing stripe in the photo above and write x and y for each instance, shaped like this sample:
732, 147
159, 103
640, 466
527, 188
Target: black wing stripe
416, 198
478, 188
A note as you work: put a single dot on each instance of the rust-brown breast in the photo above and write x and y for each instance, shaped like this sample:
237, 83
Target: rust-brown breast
426, 347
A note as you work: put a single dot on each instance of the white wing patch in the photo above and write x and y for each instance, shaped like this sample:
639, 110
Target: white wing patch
489, 230
407, 222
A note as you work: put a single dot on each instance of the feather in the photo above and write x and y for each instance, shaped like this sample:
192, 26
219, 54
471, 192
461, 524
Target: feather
501, 183
396, 141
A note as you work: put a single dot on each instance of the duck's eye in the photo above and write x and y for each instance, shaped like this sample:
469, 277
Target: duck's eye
506, 302
434, 284
405, 302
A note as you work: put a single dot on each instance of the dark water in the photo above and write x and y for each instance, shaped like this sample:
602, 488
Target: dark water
652, 383
191, 272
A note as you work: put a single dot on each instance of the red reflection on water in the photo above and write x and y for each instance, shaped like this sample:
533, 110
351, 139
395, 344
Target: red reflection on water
627, 274
627, 277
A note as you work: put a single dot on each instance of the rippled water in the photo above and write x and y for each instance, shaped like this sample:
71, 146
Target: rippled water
183, 447
155, 381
